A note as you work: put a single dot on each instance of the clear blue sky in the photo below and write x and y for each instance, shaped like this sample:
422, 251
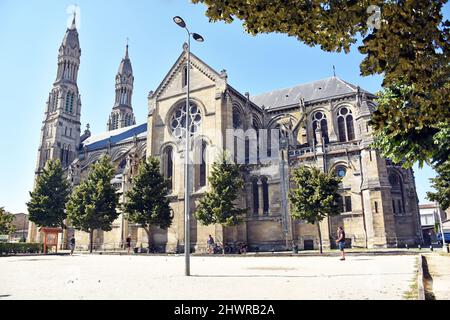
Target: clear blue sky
31, 32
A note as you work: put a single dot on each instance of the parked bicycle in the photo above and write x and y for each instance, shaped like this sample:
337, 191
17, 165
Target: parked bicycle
214, 249
236, 248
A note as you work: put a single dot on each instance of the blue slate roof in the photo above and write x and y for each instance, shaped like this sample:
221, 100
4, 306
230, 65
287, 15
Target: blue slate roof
102, 140
317, 90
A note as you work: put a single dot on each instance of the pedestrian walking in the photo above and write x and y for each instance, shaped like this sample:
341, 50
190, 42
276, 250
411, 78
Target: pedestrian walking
341, 241
129, 243
210, 243
72, 244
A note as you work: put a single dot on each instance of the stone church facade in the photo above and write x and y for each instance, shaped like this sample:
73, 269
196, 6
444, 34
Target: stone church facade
322, 124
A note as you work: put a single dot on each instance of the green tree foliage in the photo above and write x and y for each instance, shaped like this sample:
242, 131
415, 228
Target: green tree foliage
147, 203
427, 144
93, 203
441, 163
48, 200
315, 196
6, 222
218, 205
408, 144
441, 183
410, 47
409, 44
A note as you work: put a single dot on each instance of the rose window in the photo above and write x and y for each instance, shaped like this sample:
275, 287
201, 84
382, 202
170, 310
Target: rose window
178, 120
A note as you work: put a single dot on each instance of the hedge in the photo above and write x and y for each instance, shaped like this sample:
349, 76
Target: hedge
20, 247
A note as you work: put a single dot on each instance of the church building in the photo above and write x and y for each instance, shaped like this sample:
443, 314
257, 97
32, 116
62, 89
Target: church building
323, 124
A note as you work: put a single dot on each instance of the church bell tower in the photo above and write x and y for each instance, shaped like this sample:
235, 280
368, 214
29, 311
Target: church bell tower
60, 132
122, 114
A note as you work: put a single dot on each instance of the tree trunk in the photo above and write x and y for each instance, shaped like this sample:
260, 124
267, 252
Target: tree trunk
320, 237
147, 230
91, 240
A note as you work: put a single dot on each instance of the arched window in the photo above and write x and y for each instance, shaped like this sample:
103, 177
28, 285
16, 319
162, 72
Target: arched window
341, 171
62, 153
398, 205
265, 191
178, 120
55, 100
168, 165
67, 102
255, 196
67, 155
202, 167
237, 124
184, 76
70, 97
237, 119
319, 118
256, 128
346, 128
115, 121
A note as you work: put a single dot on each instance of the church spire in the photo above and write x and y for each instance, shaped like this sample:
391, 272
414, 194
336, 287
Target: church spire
122, 113
74, 25
126, 51
60, 136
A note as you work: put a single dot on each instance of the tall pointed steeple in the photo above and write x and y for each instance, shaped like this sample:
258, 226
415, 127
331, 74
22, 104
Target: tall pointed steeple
122, 114
74, 25
60, 133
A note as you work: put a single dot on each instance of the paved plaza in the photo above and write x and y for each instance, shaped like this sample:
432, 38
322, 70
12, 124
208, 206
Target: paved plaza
86, 276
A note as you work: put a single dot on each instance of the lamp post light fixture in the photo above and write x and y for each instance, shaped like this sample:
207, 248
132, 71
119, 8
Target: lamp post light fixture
187, 241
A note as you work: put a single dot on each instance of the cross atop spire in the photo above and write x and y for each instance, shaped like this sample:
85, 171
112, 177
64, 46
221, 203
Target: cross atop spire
126, 50
74, 25
334, 71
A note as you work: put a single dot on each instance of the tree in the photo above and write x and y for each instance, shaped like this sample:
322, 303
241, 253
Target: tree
147, 202
93, 203
429, 143
218, 205
441, 183
6, 222
441, 163
315, 197
407, 41
48, 200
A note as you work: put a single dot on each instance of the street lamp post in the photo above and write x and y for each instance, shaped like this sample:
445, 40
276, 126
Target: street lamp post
284, 151
187, 241
444, 245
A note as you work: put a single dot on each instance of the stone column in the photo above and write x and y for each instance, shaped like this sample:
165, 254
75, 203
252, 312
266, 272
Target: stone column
260, 198
324, 230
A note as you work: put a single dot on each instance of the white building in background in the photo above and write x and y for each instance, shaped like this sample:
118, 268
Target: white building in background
429, 218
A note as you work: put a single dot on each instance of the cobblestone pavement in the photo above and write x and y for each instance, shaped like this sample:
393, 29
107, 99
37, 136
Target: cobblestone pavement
162, 277
439, 269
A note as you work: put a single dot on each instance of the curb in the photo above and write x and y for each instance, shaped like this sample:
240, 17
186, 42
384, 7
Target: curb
420, 279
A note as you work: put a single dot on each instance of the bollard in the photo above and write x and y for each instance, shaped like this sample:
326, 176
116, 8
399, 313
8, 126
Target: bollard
431, 247
406, 245
420, 248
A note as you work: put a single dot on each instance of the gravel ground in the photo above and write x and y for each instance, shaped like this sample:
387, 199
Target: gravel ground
439, 268
162, 277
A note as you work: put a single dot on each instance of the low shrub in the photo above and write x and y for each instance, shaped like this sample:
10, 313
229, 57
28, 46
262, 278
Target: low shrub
20, 247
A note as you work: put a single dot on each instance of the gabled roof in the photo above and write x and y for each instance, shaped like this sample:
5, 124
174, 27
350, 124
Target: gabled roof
201, 65
316, 90
101, 141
